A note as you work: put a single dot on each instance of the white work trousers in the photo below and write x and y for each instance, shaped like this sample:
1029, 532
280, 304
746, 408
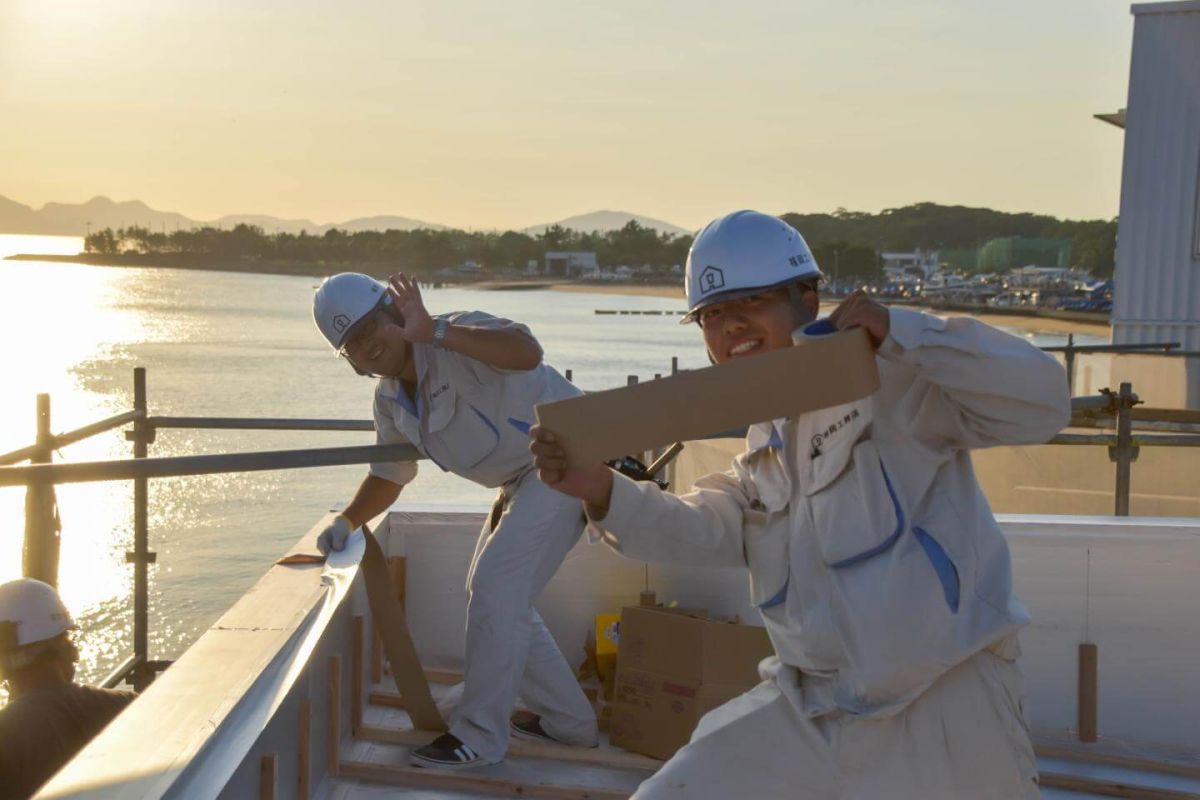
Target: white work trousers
965, 737
509, 649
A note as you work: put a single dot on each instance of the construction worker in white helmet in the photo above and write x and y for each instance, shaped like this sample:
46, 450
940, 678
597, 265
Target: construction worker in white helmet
881, 575
49, 717
461, 387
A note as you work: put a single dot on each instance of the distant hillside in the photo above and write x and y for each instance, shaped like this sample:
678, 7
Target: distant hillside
72, 219
605, 221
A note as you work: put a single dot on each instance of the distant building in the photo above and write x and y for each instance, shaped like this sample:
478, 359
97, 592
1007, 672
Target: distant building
1037, 276
909, 268
571, 264
1157, 295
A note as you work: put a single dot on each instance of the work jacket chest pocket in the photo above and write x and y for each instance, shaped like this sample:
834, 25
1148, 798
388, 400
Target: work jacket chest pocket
855, 510
460, 436
766, 536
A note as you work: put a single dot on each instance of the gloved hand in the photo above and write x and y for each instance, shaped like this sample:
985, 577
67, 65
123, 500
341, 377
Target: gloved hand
334, 537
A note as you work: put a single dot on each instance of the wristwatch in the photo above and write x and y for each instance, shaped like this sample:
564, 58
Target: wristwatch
439, 331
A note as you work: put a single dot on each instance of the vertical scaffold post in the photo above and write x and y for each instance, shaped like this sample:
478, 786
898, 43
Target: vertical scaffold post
142, 436
1125, 453
42, 527
1069, 358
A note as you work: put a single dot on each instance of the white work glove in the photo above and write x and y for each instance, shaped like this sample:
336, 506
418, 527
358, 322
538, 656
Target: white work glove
334, 537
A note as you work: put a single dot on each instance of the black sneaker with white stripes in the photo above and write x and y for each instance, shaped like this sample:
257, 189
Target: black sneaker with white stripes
446, 752
530, 729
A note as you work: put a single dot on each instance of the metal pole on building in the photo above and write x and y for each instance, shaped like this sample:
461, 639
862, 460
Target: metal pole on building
142, 436
40, 557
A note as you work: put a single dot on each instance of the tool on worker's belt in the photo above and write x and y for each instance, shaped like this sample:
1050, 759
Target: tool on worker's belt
633, 468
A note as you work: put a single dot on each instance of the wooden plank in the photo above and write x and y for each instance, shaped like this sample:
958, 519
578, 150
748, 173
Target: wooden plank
399, 576
266, 777
333, 728
401, 652
1091, 756
304, 749
1074, 783
382, 697
592, 756
418, 778
356, 678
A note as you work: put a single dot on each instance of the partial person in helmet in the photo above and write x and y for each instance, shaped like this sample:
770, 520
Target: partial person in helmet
461, 387
49, 717
881, 575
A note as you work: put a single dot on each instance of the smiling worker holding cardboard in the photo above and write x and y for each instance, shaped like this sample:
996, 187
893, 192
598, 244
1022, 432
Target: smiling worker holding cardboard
882, 577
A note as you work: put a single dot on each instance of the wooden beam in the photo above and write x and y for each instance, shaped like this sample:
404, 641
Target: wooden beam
1091, 756
333, 728
1088, 692
1074, 783
592, 756
266, 777
443, 677
382, 697
356, 677
304, 749
376, 655
418, 778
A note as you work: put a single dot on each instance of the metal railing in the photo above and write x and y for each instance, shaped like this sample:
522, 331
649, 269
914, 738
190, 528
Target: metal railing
1109, 410
1070, 350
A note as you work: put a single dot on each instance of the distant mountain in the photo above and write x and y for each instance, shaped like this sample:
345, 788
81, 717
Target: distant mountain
73, 219
269, 224
383, 224
605, 221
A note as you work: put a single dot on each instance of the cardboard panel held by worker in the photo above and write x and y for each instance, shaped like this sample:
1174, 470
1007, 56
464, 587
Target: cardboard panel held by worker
822, 372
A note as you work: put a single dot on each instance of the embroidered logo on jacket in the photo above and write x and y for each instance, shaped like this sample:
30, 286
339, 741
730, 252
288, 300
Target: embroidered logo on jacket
821, 438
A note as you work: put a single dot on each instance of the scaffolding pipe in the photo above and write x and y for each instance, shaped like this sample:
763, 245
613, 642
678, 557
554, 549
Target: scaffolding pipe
40, 556
263, 424
91, 471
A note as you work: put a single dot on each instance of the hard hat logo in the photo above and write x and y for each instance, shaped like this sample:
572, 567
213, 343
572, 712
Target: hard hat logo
711, 279
341, 322
800, 259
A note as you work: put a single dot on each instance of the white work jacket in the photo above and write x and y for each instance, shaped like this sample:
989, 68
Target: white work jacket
467, 417
874, 557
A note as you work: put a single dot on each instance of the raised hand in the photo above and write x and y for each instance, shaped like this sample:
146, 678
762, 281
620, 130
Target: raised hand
418, 325
860, 311
591, 484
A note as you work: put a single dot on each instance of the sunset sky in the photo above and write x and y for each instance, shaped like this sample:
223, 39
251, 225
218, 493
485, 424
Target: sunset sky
497, 115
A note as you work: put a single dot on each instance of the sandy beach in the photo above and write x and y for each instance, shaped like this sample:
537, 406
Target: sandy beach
1033, 323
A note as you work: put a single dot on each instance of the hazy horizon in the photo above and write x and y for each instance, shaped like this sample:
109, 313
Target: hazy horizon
503, 117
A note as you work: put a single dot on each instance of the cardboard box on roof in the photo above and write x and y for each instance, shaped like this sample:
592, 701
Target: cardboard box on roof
672, 669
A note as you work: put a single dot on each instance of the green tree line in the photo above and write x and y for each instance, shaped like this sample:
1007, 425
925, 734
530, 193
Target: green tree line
845, 242
929, 226
418, 251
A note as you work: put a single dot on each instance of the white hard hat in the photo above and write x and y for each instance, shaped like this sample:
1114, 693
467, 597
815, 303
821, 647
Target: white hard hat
741, 254
344, 300
31, 611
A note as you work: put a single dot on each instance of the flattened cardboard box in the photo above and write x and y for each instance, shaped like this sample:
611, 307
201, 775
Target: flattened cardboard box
823, 372
672, 669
